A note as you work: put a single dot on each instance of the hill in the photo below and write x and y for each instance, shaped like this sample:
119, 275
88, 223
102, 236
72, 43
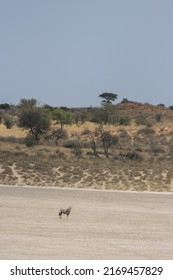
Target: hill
152, 113
140, 155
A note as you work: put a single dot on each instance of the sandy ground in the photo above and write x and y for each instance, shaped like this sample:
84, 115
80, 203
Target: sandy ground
102, 224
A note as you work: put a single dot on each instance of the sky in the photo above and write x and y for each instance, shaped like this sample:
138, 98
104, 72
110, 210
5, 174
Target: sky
68, 52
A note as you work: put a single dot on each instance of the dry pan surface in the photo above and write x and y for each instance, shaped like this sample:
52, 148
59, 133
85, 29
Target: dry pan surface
102, 224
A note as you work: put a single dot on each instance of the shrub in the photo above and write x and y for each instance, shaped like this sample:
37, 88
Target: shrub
86, 131
125, 100
59, 134
123, 133
124, 120
171, 107
161, 105
158, 117
4, 106
141, 120
156, 147
30, 140
77, 151
132, 155
146, 131
72, 143
8, 122
60, 154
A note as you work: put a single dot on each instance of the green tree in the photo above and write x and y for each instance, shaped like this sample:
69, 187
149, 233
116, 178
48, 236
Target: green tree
27, 103
79, 117
48, 109
62, 117
34, 118
108, 98
5, 106
107, 112
105, 115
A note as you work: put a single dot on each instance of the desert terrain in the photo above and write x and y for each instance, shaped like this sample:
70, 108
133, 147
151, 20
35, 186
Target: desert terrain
102, 224
121, 201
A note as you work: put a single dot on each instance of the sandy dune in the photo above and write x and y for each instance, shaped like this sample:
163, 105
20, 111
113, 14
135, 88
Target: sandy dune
102, 225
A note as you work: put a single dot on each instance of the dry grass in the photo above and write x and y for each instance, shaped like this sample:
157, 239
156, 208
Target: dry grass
49, 165
14, 131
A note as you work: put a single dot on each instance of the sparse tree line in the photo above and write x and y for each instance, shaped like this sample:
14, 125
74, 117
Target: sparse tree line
38, 121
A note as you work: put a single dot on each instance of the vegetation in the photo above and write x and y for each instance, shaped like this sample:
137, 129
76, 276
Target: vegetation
107, 140
141, 120
108, 98
126, 142
58, 134
30, 140
8, 120
62, 117
33, 118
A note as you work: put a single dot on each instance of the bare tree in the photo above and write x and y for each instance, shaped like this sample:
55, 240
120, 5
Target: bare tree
107, 140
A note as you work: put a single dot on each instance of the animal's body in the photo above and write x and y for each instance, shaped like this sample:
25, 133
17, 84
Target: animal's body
65, 211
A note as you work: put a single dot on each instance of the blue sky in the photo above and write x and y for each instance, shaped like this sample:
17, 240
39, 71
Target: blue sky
67, 52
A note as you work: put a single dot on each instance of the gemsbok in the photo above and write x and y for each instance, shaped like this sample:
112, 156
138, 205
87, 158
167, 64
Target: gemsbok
65, 211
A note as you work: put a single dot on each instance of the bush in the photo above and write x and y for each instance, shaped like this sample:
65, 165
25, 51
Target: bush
77, 151
124, 120
35, 119
8, 122
59, 134
123, 133
4, 106
141, 120
146, 131
30, 140
86, 131
72, 143
158, 117
125, 100
156, 148
60, 154
171, 107
132, 155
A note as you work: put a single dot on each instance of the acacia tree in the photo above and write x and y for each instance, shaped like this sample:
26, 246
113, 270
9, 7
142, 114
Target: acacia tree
59, 134
62, 117
108, 140
33, 118
107, 111
27, 103
108, 98
79, 117
92, 142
